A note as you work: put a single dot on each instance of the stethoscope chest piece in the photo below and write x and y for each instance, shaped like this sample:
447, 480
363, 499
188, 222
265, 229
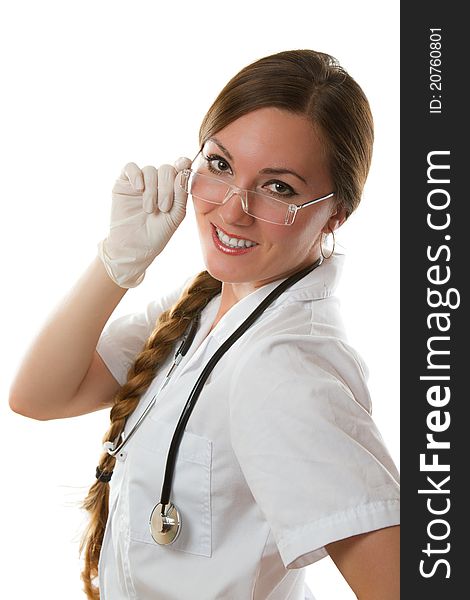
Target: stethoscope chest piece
165, 525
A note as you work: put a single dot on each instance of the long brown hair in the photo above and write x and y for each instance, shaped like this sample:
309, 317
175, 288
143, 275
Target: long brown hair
301, 81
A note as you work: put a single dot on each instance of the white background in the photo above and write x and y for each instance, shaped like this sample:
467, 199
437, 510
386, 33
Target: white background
88, 86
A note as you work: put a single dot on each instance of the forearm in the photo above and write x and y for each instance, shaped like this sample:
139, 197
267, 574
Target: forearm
60, 355
370, 563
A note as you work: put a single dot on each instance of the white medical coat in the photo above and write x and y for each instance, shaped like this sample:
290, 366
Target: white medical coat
280, 455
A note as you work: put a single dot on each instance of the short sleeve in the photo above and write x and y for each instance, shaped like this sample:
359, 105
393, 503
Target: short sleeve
123, 338
310, 452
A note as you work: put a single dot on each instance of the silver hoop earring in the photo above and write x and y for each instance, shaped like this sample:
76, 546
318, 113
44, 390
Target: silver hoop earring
334, 244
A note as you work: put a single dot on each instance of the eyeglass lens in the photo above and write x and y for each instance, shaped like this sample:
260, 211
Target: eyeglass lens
257, 205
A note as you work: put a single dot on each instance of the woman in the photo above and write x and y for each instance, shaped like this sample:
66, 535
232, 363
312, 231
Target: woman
280, 462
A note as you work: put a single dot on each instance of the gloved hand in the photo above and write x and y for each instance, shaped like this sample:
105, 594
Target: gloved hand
147, 207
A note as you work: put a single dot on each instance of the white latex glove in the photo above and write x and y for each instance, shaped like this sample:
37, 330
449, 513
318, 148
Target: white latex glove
147, 207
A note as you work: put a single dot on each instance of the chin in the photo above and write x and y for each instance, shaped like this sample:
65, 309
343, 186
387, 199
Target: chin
227, 273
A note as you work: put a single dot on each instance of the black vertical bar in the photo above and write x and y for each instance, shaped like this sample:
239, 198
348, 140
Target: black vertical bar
434, 291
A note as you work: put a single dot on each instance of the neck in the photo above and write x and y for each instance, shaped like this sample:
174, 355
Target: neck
233, 292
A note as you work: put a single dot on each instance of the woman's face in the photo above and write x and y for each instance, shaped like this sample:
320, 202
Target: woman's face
272, 151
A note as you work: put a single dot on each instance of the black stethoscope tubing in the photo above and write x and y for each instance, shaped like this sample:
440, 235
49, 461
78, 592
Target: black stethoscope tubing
165, 519
191, 402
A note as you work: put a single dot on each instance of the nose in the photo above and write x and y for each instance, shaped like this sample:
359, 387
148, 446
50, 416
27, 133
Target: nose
231, 211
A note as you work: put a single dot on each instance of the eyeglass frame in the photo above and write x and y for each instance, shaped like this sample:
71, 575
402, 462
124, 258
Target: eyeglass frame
292, 209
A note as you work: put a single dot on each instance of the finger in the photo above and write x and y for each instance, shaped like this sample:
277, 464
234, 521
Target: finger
132, 173
182, 163
149, 199
166, 178
179, 194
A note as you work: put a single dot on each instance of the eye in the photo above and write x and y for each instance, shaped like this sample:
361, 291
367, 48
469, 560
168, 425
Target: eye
216, 164
278, 188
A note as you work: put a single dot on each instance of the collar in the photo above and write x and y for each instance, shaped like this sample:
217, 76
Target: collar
316, 285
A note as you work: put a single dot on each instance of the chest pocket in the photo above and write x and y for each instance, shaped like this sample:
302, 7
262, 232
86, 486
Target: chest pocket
190, 491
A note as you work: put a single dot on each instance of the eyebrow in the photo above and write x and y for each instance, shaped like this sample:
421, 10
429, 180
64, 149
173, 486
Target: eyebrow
267, 170
273, 171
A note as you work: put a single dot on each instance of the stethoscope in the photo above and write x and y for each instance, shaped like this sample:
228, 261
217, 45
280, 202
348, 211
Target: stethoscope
165, 518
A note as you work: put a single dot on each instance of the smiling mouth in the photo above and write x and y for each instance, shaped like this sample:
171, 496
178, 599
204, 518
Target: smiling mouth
232, 240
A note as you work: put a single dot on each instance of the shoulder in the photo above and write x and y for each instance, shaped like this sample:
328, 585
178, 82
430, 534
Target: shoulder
124, 336
311, 357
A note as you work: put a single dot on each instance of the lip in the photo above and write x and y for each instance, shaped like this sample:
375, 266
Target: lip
225, 249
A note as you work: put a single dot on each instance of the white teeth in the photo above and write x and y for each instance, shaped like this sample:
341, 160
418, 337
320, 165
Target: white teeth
233, 242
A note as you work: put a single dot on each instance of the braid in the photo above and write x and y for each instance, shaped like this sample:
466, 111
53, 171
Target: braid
170, 326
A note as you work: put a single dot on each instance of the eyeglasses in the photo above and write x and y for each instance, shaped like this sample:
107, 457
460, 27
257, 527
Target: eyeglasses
258, 205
